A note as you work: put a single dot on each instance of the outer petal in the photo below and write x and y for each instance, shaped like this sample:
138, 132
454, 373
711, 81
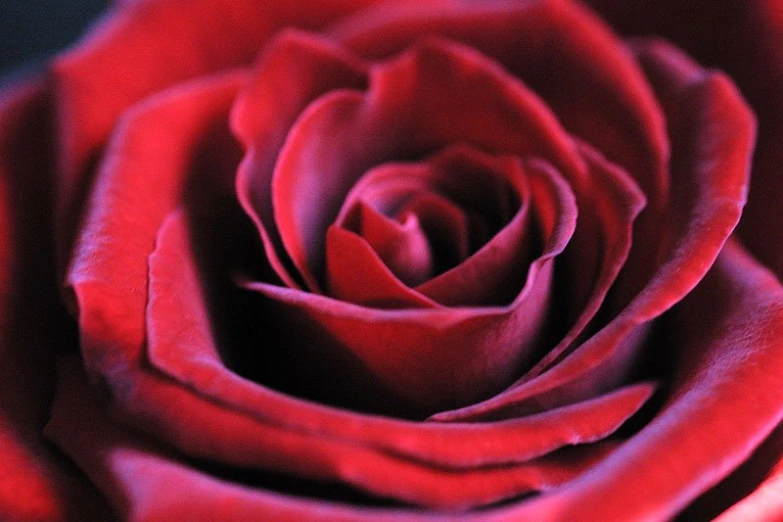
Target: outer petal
763, 504
730, 373
35, 483
749, 491
146, 484
725, 400
743, 39
180, 344
143, 47
109, 268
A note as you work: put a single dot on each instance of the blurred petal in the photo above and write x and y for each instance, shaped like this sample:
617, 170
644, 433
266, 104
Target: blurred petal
743, 39
36, 484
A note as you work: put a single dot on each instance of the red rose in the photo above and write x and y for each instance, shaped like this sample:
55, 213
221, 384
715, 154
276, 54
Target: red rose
414, 261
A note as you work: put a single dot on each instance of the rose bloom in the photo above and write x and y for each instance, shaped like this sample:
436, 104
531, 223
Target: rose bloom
419, 260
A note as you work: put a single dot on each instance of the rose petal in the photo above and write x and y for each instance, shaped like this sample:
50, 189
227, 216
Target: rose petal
356, 274
493, 275
145, 483
35, 483
375, 286
112, 320
585, 293
371, 348
216, 433
743, 39
300, 67
180, 344
565, 48
344, 133
403, 246
445, 221
712, 134
764, 503
148, 42
616, 204
109, 269
116, 460
601, 241
750, 485
725, 400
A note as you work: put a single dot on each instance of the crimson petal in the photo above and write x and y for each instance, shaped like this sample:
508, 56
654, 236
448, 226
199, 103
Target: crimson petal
115, 459
403, 115
725, 400
712, 133
596, 61
110, 284
180, 345
148, 42
493, 275
373, 283
35, 483
493, 341
302, 67
402, 245
743, 39
109, 268
764, 503
565, 48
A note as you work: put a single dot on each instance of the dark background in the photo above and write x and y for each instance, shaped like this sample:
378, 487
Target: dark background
32, 30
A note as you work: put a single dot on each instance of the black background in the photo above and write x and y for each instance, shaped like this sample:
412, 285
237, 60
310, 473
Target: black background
32, 30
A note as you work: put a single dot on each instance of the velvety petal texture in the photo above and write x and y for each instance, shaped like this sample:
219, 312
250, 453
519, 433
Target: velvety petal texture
395, 261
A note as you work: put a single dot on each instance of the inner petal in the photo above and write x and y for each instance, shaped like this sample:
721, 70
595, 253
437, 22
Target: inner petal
397, 191
303, 67
560, 50
445, 224
425, 359
426, 219
402, 245
408, 112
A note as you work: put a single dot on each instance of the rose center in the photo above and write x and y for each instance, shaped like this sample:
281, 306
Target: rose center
425, 219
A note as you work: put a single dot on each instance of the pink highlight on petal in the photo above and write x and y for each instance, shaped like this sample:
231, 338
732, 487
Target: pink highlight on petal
295, 70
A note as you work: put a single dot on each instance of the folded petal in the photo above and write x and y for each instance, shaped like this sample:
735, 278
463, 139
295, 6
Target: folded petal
712, 134
573, 61
148, 43
436, 356
743, 39
473, 184
108, 272
406, 113
297, 68
180, 344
